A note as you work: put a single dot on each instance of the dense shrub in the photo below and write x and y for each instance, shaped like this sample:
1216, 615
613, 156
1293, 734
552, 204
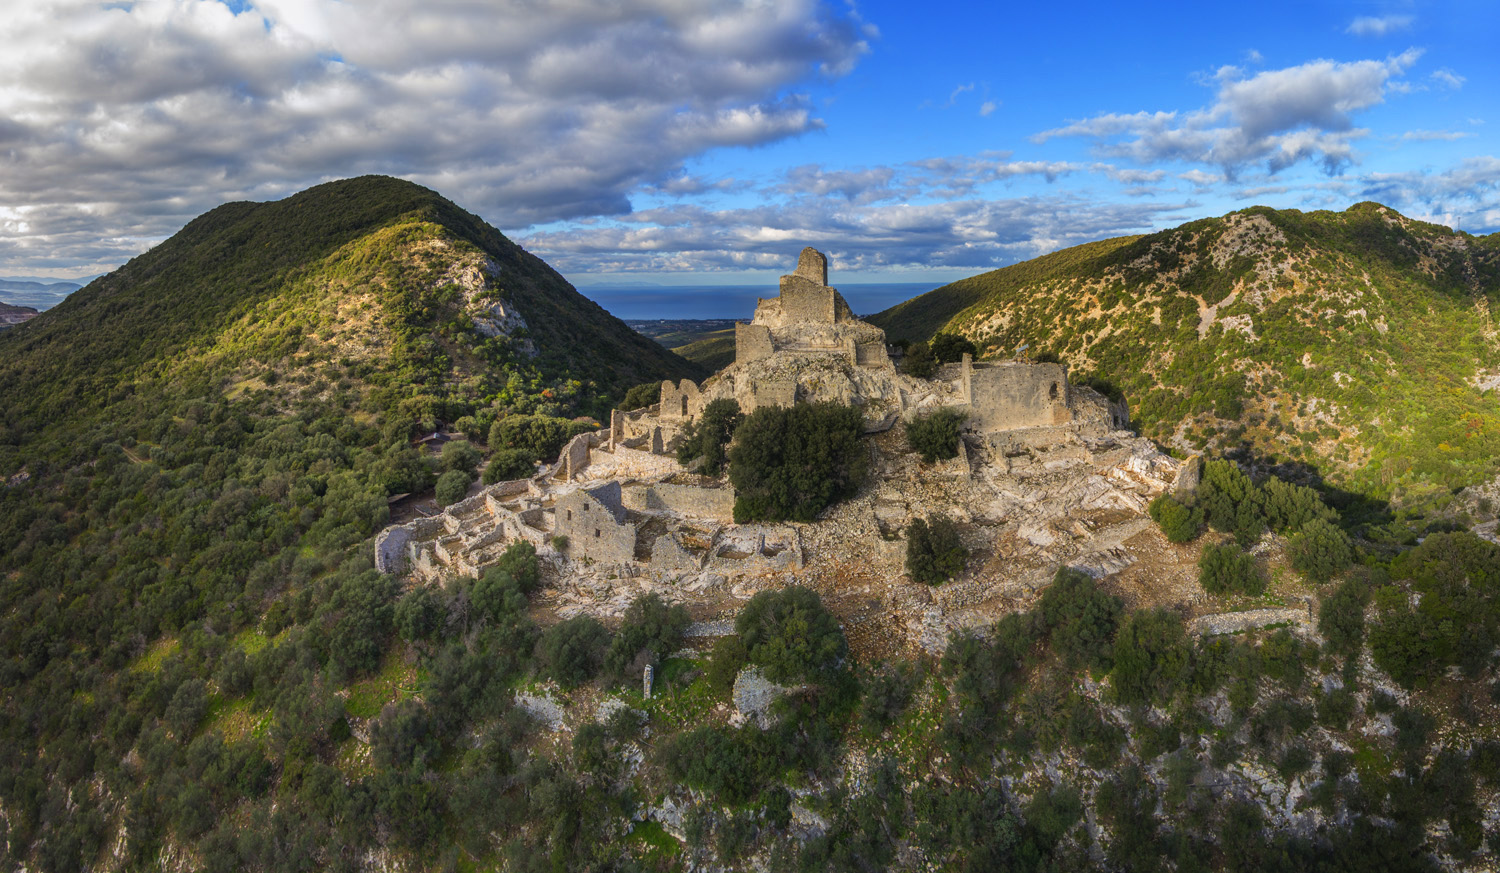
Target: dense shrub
934, 552
572, 651
651, 630
541, 436
1231, 502
460, 455
1150, 656
452, 486
508, 464
641, 396
1228, 570
919, 361
707, 437
948, 348
1319, 550
1080, 619
419, 614
886, 696
935, 437
791, 635
792, 463
1341, 617
725, 662
1178, 522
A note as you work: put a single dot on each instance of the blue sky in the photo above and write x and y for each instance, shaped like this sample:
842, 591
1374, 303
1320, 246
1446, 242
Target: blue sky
705, 142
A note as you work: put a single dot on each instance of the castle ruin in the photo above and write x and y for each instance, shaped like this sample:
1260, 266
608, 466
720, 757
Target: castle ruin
1039, 454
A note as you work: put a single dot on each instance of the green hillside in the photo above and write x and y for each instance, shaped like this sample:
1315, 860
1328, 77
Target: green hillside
1357, 343
714, 351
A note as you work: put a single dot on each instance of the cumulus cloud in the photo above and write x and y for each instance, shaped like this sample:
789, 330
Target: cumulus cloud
1276, 117
121, 121
971, 233
1467, 194
987, 107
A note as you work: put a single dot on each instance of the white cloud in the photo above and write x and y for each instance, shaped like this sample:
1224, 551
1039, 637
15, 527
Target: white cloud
973, 233
1468, 194
988, 107
1448, 79
1278, 117
1371, 25
121, 121
1436, 135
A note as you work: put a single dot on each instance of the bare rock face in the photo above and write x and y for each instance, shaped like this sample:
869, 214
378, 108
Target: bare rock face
754, 695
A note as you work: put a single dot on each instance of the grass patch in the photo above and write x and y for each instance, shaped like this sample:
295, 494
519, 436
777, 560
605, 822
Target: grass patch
155, 656
251, 641
396, 681
237, 720
652, 843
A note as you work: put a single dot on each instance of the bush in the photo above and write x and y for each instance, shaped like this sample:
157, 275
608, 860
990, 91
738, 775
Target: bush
1228, 570
1231, 502
1341, 617
936, 436
791, 635
948, 348
641, 396
919, 361
1319, 550
1178, 522
651, 630
418, 614
452, 486
460, 455
726, 661
792, 463
1151, 656
934, 553
540, 436
707, 437
886, 697
508, 464
1080, 618
572, 651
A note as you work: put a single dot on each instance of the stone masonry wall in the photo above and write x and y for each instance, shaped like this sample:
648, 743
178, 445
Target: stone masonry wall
684, 500
751, 343
1010, 396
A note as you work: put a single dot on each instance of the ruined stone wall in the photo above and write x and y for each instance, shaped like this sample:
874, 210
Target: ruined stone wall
781, 392
390, 550
751, 343
679, 401
804, 302
872, 354
596, 530
1010, 396
684, 500
574, 457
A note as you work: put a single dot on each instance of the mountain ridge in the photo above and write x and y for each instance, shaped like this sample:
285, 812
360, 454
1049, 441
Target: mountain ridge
1293, 337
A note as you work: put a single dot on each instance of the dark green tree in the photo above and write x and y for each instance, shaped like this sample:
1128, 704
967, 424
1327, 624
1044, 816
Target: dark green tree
949, 348
934, 552
1151, 656
919, 361
452, 486
1320, 550
790, 634
1179, 522
572, 651
652, 629
708, 436
935, 437
792, 463
1080, 619
1228, 570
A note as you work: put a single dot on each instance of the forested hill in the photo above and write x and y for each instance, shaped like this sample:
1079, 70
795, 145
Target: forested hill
1358, 343
373, 284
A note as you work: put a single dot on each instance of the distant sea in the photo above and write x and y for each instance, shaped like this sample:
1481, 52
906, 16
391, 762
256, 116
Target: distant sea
732, 301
